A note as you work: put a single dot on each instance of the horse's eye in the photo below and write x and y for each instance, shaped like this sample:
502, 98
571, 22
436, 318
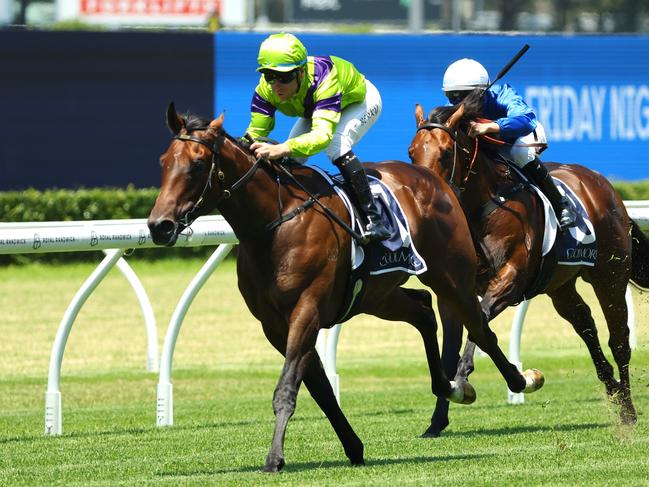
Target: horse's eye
197, 167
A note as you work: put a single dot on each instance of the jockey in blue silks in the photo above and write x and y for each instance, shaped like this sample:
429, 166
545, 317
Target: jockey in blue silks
514, 121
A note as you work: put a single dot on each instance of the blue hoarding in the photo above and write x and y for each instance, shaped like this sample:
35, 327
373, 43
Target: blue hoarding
590, 92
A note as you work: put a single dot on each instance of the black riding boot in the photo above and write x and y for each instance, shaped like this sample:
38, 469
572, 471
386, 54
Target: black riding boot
354, 174
537, 172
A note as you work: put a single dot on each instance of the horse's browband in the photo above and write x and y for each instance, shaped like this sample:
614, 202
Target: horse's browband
432, 125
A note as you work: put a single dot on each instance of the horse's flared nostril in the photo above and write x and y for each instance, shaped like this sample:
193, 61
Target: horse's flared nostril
163, 232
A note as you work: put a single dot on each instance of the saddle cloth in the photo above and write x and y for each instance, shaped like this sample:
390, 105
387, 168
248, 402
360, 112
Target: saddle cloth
397, 253
578, 245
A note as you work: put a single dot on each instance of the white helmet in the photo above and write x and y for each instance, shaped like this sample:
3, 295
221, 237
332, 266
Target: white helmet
465, 74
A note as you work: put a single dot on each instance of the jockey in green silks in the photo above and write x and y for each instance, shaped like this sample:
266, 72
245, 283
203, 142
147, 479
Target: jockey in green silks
336, 107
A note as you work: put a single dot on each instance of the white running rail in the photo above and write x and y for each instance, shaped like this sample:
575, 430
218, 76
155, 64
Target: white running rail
113, 237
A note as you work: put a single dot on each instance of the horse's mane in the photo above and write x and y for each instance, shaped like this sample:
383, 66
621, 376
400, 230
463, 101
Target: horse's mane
472, 109
195, 122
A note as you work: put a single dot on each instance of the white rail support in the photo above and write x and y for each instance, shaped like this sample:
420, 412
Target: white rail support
164, 410
113, 236
327, 346
53, 423
147, 312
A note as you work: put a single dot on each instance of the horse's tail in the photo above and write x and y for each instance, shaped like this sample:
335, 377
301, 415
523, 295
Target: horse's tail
639, 256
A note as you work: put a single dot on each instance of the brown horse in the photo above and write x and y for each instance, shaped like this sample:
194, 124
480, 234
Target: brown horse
507, 222
293, 261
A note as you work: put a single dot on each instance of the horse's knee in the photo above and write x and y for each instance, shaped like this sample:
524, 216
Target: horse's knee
284, 400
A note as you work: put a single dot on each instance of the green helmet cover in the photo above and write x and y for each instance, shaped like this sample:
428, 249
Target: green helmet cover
281, 52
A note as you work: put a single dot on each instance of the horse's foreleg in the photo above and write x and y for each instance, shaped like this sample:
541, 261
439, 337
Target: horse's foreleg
505, 289
300, 349
319, 386
468, 307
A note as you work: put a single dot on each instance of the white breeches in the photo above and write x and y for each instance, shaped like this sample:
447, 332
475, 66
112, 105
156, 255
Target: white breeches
521, 156
355, 120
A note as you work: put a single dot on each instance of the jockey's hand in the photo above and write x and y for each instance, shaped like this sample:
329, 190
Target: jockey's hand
479, 128
270, 151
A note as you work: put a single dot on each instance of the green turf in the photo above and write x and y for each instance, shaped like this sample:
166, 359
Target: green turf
224, 376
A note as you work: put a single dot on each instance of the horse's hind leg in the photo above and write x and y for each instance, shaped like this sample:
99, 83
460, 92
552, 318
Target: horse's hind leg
572, 308
451, 344
466, 306
412, 306
612, 299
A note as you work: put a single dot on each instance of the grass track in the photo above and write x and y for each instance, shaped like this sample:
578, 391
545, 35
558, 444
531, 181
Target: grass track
224, 375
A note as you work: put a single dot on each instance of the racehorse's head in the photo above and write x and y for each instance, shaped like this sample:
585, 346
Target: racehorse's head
441, 143
188, 170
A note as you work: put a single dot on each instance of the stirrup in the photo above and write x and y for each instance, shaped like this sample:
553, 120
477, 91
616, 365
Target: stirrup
375, 231
567, 218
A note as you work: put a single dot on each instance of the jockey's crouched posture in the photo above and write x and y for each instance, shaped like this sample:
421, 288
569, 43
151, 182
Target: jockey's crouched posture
514, 121
336, 106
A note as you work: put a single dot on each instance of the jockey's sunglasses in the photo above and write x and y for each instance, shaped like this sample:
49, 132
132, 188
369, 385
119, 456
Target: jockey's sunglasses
283, 78
456, 97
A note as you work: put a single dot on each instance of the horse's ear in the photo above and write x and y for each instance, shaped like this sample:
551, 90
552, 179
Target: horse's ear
456, 117
217, 123
174, 122
419, 115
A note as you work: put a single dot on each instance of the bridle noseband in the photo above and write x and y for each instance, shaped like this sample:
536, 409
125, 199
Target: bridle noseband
188, 218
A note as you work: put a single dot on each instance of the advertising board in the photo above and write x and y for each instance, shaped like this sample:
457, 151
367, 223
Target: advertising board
590, 92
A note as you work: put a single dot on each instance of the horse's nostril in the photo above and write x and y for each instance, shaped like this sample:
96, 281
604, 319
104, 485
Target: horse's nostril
162, 232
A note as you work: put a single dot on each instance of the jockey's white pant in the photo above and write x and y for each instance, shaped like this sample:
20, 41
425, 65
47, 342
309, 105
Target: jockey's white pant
521, 156
355, 120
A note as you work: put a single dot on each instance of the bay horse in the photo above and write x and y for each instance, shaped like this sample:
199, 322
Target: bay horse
293, 261
507, 224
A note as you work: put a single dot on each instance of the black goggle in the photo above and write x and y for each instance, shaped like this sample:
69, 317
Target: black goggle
284, 78
456, 97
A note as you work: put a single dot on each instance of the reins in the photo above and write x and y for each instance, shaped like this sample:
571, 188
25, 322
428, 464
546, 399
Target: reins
453, 134
325, 208
187, 219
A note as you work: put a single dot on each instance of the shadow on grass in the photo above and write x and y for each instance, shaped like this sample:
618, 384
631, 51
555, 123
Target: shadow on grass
233, 424
296, 467
514, 430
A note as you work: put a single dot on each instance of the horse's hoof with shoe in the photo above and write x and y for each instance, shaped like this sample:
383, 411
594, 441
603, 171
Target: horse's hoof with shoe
462, 392
534, 380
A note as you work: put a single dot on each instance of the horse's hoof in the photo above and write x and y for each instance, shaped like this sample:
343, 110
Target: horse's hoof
433, 431
534, 380
462, 393
628, 416
273, 465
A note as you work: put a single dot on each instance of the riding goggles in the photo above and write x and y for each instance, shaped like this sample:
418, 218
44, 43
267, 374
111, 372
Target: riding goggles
456, 97
283, 78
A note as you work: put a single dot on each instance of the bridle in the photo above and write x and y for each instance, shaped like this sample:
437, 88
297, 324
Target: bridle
188, 218
453, 134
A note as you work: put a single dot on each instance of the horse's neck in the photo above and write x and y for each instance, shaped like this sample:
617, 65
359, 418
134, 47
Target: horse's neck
253, 205
481, 185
